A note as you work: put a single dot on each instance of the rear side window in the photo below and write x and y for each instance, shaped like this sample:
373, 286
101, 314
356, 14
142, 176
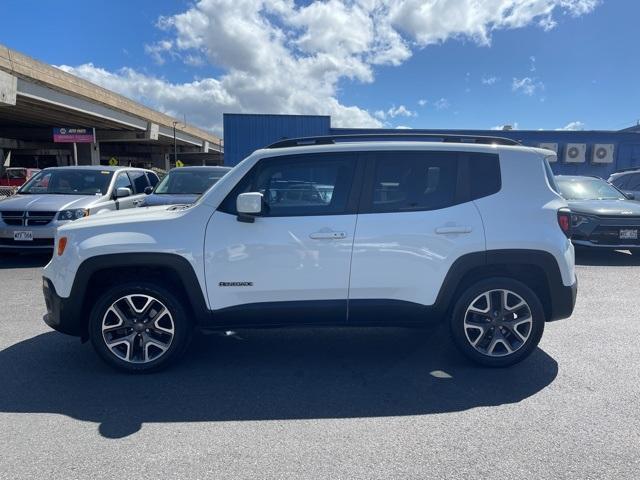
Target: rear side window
139, 180
484, 174
300, 185
153, 179
409, 181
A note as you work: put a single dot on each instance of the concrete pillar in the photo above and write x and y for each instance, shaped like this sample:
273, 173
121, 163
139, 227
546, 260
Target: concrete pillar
8, 89
95, 153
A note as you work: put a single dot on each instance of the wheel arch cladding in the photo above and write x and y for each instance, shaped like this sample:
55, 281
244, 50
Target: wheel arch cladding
169, 270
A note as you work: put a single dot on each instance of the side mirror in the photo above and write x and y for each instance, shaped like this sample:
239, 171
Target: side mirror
248, 206
148, 190
123, 192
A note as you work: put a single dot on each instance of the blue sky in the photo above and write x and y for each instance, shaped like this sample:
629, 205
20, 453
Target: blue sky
573, 66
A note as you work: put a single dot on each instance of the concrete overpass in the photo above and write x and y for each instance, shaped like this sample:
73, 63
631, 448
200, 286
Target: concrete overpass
36, 97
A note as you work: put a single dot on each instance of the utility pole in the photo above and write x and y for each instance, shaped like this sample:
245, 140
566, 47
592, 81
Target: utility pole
175, 144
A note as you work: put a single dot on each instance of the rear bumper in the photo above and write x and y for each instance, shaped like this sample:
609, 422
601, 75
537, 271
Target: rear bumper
62, 314
563, 301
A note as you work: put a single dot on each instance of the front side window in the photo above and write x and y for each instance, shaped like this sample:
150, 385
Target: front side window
634, 182
316, 184
68, 182
407, 181
123, 181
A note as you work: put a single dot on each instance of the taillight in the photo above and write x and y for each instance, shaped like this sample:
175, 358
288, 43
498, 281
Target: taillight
564, 220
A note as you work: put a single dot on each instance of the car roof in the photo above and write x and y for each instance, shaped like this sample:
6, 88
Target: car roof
218, 168
103, 168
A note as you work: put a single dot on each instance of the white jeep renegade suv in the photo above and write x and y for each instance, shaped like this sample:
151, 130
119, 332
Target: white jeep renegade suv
400, 231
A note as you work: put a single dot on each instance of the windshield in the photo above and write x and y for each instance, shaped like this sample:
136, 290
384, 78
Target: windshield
587, 189
186, 182
68, 182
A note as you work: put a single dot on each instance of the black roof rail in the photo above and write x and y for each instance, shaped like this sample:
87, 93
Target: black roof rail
443, 137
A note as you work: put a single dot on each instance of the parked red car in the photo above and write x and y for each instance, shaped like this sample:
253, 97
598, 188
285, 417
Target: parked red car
16, 176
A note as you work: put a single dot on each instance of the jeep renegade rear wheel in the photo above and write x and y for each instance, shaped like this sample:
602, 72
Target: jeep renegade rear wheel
498, 322
139, 327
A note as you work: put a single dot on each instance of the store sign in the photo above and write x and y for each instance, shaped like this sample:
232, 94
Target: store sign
74, 135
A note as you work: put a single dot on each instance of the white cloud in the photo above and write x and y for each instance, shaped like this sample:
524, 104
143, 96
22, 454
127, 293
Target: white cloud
577, 125
400, 111
489, 80
442, 104
527, 85
422, 102
281, 57
532, 63
403, 127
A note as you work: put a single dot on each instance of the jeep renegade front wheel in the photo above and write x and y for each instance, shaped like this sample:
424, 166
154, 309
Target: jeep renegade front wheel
139, 327
497, 322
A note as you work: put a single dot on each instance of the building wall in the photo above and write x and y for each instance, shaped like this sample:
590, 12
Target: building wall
245, 133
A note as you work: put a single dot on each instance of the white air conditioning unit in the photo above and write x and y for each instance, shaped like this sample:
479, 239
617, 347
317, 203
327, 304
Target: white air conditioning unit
575, 153
550, 146
602, 153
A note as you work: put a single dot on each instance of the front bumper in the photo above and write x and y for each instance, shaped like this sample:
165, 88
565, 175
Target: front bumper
43, 237
62, 314
605, 232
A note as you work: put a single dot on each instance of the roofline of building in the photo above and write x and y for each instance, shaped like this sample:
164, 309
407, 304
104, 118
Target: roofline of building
23, 66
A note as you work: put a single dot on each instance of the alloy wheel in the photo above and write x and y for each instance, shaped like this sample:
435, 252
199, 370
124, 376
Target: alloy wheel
498, 323
138, 328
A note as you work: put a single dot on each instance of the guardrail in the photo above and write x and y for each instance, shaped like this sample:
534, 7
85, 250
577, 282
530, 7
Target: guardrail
7, 191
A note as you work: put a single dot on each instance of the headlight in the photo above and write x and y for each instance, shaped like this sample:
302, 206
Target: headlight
74, 214
578, 220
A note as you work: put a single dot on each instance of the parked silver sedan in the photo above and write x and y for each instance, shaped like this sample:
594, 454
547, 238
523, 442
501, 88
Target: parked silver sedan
55, 196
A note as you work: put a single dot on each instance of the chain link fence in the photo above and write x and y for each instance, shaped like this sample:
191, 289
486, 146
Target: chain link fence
7, 191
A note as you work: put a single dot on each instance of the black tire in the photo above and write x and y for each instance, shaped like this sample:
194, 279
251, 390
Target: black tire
178, 321
523, 350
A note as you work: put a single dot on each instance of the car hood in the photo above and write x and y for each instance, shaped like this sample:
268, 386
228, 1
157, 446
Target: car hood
48, 202
128, 216
605, 207
169, 199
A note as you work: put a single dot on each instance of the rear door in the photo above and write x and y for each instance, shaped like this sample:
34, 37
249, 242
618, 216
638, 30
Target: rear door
292, 264
416, 218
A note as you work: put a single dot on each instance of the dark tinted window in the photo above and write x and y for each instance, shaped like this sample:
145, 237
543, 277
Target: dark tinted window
139, 180
484, 174
299, 185
153, 179
634, 182
405, 181
621, 181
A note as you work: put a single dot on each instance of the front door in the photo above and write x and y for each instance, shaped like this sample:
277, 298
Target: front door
292, 264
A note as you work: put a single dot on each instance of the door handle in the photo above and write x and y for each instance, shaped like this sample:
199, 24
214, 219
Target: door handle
328, 235
453, 230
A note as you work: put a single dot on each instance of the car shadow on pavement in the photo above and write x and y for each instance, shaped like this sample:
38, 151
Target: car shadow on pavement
603, 258
17, 260
265, 375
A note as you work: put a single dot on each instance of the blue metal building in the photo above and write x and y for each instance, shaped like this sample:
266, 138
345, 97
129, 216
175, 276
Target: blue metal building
596, 152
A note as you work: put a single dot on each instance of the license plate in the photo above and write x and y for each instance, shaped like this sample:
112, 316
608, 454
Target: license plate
23, 236
629, 234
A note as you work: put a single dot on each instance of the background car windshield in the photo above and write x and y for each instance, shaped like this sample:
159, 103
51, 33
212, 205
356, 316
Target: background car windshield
587, 189
69, 182
187, 182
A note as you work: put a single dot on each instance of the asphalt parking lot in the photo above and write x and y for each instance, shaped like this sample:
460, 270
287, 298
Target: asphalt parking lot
339, 403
